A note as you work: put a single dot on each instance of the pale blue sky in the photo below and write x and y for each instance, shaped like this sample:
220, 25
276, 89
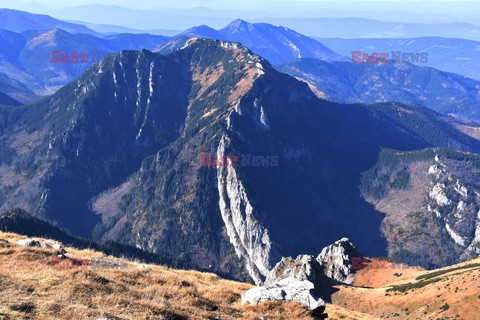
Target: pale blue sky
219, 12
235, 4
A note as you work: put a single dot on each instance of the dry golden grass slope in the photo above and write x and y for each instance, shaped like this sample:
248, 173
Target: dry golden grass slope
31, 289
447, 293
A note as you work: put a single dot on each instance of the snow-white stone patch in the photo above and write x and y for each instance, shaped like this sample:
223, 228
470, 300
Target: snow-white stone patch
263, 119
433, 169
295, 48
461, 190
456, 237
238, 109
437, 193
115, 84
260, 69
139, 83
229, 45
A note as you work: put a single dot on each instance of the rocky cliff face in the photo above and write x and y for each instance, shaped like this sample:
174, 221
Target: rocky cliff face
456, 205
250, 239
303, 267
440, 197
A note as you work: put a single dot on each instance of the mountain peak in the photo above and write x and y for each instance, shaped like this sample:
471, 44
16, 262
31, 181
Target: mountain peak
46, 38
276, 44
239, 25
201, 31
219, 58
229, 45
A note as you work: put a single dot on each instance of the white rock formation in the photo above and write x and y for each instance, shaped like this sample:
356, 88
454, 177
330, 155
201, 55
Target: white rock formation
33, 243
304, 267
438, 194
337, 260
473, 249
143, 267
288, 289
456, 237
55, 245
301, 279
250, 239
459, 212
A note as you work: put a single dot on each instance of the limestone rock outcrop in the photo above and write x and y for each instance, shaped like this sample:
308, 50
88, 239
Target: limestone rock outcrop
302, 279
336, 260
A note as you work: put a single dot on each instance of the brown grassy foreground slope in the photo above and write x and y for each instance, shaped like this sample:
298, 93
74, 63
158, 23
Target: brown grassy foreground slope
448, 293
31, 289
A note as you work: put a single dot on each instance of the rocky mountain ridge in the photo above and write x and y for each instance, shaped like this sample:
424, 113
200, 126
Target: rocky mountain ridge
117, 155
439, 193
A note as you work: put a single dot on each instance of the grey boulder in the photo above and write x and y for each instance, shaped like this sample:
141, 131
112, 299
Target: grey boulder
32, 243
288, 289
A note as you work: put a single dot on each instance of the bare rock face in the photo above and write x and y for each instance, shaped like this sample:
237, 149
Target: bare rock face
32, 243
336, 260
288, 289
291, 280
144, 267
456, 204
304, 267
301, 279
57, 246
250, 240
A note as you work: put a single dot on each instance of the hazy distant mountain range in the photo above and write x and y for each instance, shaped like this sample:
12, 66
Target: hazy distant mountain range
26, 69
446, 54
309, 18
26, 58
276, 44
347, 82
20, 21
370, 28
